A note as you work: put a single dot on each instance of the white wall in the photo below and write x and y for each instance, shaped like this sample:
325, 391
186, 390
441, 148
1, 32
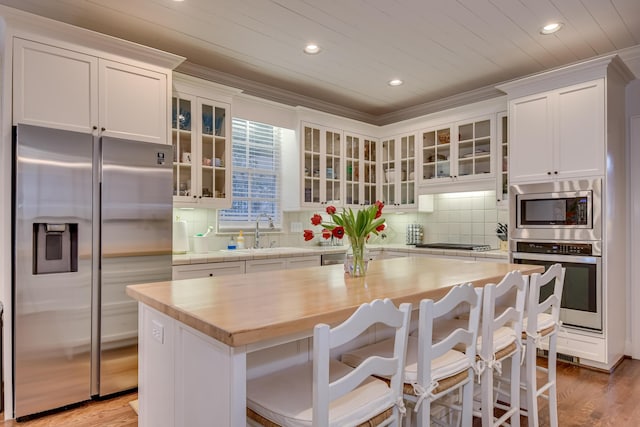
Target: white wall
633, 168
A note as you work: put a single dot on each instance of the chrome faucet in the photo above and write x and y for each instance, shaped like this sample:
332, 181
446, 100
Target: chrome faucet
257, 244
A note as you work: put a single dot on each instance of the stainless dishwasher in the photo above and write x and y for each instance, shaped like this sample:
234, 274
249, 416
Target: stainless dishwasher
332, 258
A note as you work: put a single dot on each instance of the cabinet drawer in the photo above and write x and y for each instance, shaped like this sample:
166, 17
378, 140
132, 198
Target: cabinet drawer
208, 270
303, 262
258, 265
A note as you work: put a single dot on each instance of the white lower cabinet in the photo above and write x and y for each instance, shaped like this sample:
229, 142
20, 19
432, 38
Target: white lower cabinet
227, 268
271, 264
303, 262
267, 264
216, 269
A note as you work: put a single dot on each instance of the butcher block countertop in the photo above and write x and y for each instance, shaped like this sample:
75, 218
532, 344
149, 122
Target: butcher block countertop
246, 309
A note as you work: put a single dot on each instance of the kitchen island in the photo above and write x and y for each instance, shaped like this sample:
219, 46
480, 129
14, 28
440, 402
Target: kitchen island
197, 336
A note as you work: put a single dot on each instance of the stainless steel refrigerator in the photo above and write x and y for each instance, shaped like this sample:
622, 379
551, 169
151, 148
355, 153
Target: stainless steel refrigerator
91, 215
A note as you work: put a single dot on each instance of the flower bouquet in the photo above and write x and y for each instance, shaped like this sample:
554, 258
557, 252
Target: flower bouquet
357, 226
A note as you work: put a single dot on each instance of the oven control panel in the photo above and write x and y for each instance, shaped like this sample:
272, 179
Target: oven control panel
555, 248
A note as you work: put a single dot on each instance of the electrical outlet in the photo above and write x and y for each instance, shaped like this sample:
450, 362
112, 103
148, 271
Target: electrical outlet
157, 331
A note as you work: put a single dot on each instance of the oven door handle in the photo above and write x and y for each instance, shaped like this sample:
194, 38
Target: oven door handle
557, 258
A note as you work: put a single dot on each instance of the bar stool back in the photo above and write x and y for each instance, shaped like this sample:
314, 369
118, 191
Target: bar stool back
326, 392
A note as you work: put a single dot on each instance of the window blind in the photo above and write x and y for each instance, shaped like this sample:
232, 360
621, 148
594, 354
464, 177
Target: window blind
255, 179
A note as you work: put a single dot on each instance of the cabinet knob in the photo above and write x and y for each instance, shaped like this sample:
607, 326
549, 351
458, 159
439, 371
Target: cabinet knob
210, 274
555, 172
549, 173
195, 197
95, 128
103, 129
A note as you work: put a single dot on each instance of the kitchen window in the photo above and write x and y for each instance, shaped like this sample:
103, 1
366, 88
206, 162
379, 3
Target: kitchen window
256, 186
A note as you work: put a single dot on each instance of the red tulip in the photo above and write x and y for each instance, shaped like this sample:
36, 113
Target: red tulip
308, 235
326, 233
316, 219
380, 227
338, 232
331, 210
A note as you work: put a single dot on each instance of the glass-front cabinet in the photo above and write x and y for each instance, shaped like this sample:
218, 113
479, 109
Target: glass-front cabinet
184, 177
458, 151
322, 162
202, 155
360, 170
398, 166
502, 188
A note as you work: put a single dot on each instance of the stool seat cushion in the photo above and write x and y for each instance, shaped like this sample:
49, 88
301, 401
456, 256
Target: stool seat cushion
290, 404
545, 321
447, 365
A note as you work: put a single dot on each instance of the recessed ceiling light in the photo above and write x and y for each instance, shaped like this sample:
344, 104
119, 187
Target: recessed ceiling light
551, 28
312, 49
395, 82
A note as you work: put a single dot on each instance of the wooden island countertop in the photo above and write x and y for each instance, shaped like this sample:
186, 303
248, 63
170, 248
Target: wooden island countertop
246, 309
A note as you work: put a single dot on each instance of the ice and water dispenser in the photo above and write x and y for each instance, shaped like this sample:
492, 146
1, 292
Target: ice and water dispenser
55, 248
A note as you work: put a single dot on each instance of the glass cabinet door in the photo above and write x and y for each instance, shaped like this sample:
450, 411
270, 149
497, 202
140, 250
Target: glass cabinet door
436, 153
331, 172
389, 165
183, 149
213, 151
503, 156
311, 153
407, 169
352, 160
370, 194
360, 179
474, 148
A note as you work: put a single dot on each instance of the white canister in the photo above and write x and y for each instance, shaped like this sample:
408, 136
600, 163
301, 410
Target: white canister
200, 244
180, 238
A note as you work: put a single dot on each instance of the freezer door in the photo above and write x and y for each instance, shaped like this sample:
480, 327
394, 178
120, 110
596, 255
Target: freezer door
52, 295
136, 247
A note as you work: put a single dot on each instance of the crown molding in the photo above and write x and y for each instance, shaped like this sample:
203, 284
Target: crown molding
458, 100
272, 93
33, 27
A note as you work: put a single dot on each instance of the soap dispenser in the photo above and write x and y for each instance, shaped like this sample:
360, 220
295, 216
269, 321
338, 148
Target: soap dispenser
240, 243
232, 244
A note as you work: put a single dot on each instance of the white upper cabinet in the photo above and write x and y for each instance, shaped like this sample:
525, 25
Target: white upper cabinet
459, 152
201, 139
133, 102
322, 160
360, 170
558, 134
70, 90
398, 166
54, 87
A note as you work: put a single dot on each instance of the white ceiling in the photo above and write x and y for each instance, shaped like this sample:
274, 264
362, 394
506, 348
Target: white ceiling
440, 48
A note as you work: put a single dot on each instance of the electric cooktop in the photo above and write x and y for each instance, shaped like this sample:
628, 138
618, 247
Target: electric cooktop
458, 246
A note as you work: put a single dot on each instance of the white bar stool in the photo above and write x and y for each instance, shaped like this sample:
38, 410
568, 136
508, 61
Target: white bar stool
328, 393
542, 322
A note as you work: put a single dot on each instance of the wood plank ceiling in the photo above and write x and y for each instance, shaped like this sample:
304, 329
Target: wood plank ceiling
440, 48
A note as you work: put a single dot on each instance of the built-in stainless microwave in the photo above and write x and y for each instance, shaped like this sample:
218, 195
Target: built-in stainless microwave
563, 210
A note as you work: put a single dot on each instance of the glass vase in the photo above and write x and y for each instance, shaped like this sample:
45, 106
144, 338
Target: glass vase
356, 259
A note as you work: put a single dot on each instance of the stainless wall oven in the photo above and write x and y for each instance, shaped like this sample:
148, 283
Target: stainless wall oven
581, 305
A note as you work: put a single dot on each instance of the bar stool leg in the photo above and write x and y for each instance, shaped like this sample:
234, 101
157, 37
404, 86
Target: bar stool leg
532, 388
553, 399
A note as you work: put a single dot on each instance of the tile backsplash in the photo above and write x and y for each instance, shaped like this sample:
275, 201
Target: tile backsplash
469, 217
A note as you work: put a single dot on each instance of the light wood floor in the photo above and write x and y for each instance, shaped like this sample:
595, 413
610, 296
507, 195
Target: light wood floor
585, 398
